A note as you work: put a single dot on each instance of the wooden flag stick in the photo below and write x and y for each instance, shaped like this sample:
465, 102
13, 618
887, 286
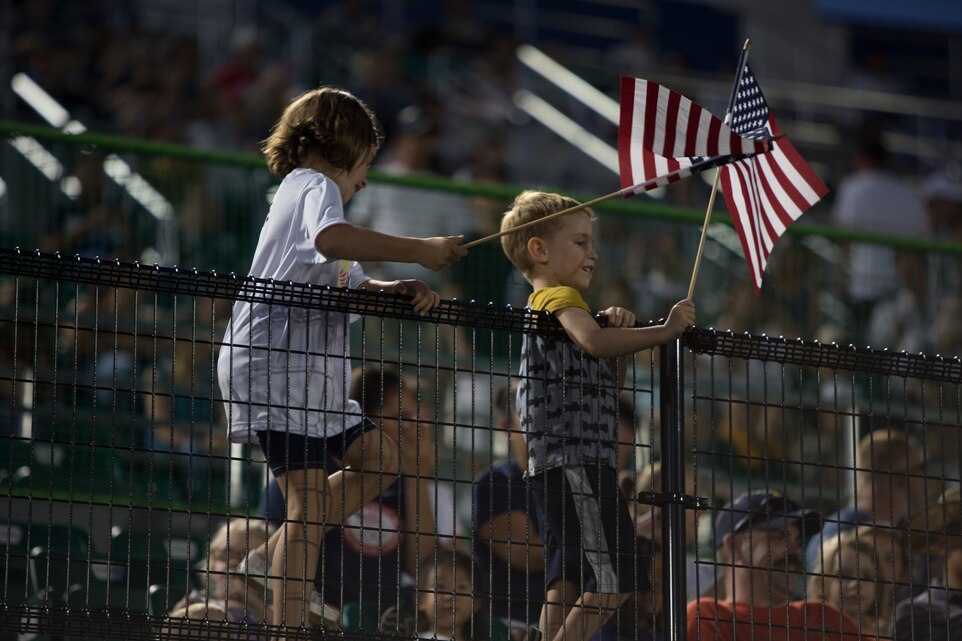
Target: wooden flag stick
704, 233
557, 214
714, 187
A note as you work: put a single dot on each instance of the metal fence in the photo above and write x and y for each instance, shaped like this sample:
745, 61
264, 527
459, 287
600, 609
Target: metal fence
126, 510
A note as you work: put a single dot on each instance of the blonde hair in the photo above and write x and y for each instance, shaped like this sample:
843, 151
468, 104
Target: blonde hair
238, 531
327, 121
828, 566
883, 451
528, 206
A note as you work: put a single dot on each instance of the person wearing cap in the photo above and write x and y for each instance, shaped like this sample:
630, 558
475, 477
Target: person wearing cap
936, 613
856, 578
758, 550
888, 482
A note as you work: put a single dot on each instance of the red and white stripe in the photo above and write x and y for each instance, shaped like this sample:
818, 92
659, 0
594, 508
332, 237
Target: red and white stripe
764, 194
675, 169
659, 129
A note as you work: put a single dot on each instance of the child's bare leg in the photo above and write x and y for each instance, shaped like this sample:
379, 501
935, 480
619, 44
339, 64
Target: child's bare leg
586, 616
370, 466
559, 598
296, 545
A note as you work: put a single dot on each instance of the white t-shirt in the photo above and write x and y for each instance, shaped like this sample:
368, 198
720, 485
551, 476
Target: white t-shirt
283, 368
877, 201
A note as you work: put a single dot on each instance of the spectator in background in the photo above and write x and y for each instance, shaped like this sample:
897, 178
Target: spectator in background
903, 320
103, 369
648, 522
366, 561
942, 193
223, 599
888, 483
200, 617
758, 546
481, 276
948, 331
505, 537
875, 199
180, 411
228, 546
936, 613
853, 577
451, 598
943, 201
406, 211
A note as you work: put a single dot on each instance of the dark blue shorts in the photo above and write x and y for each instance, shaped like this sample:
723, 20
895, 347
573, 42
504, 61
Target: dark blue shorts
285, 451
588, 533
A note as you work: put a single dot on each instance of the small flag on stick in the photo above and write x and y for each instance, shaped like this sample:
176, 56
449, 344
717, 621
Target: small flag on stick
765, 193
661, 134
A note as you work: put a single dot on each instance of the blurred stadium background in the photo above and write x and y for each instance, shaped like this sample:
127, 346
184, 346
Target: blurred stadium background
131, 132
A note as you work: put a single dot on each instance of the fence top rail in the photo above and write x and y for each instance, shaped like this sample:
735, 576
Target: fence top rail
195, 283
635, 207
785, 351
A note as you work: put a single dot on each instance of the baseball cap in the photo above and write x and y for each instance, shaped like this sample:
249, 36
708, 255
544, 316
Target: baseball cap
763, 510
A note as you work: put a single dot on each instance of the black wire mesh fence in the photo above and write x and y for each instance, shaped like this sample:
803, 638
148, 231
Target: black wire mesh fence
129, 513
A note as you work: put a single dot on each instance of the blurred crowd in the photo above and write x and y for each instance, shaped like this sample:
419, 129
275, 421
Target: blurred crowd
884, 563
887, 564
444, 90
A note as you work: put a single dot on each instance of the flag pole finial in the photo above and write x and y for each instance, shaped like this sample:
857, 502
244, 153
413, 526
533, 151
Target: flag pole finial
748, 45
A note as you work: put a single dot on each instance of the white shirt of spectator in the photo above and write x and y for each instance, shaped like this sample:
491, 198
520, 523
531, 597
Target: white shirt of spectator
877, 201
404, 211
282, 368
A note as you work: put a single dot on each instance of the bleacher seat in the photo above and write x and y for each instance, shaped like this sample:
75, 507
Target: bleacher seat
58, 558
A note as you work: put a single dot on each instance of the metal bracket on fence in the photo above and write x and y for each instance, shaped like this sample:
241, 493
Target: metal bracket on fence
666, 498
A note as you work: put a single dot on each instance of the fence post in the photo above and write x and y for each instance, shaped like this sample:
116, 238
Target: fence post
674, 582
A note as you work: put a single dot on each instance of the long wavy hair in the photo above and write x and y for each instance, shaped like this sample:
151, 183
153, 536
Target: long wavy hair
329, 122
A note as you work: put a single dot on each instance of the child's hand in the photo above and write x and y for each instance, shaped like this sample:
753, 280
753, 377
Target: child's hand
424, 298
441, 251
619, 317
680, 318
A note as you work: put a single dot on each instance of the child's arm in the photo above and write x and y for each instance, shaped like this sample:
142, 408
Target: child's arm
619, 317
611, 342
423, 297
350, 242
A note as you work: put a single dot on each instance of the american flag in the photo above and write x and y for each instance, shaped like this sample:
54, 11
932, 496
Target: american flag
765, 193
664, 137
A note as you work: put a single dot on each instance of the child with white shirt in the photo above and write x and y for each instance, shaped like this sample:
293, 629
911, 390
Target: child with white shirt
284, 372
